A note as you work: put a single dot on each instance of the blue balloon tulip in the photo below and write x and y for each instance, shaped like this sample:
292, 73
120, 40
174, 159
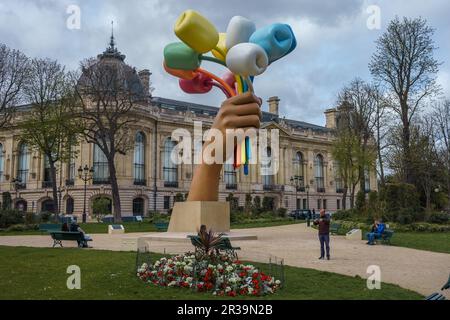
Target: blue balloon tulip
277, 40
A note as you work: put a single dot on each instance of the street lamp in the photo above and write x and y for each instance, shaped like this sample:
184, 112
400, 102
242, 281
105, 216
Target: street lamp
307, 196
296, 181
86, 175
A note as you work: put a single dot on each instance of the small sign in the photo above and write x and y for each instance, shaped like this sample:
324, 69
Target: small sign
115, 229
139, 218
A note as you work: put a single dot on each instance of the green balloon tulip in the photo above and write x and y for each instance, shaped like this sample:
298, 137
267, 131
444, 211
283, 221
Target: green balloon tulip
178, 55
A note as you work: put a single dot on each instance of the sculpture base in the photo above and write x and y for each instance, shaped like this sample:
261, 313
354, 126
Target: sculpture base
190, 215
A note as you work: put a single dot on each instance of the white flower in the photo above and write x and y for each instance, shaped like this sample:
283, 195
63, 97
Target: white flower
227, 289
189, 279
277, 282
250, 290
171, 284
229, 268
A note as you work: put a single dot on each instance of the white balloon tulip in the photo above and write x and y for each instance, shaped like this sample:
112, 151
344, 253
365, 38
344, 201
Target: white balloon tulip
247, 59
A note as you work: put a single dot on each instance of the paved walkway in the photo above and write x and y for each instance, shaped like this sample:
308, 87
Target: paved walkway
421, 271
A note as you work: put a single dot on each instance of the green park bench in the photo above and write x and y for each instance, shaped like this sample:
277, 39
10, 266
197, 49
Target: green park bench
386, 236
334, 228
59, 236
161, 226
224, 245
439, 296
47, 227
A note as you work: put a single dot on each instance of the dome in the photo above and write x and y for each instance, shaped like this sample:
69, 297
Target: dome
110, 65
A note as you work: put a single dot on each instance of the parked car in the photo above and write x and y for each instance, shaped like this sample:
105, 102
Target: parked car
301, 214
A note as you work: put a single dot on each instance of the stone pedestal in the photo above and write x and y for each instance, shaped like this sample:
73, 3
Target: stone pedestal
354, 234
116, 229
190, 215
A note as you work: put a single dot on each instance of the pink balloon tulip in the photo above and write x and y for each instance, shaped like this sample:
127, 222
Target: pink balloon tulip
230, 79
200, 84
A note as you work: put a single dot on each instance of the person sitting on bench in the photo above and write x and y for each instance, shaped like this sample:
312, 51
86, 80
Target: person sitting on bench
65, 227
74, 227
377, 231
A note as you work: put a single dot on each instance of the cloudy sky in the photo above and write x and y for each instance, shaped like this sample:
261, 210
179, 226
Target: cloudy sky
335, 44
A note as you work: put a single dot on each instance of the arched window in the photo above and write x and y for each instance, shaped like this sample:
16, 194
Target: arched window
266, 173
69, 205
138, 207
170, 170
1, 162
48, 206
229, 176
318, 170
21, 205
298, 171
23, 164
139, 159
101, 169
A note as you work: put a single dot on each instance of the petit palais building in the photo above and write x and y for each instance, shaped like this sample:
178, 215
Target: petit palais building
149, 181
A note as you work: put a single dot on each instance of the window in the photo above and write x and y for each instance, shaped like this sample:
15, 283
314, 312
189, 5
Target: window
324, 204
138, 207
298, 171
318, 170
338, 179
48, 206
71, 172
23, 164
101, 169
21, 205
366, 180
69, 205
229, 176
1, 162
166, 202
305, 206
338, 204
170, 170
139, 159
319, 204
266, 165
297, 203
47, 181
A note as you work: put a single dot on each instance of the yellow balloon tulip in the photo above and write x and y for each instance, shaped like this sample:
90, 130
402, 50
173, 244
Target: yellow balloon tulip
196, 31
220, 51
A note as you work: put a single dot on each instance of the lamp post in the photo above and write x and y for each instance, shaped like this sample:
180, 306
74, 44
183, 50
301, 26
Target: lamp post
295, 180
86, 175
307, 196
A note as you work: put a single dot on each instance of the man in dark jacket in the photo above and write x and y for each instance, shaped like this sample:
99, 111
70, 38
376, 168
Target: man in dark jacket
324, 234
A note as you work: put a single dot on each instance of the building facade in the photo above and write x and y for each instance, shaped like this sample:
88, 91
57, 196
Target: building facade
149, 181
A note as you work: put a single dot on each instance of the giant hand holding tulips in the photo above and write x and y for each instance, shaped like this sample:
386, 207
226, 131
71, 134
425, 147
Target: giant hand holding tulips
243, 49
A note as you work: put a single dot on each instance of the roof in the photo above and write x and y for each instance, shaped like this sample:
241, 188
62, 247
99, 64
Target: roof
202, 109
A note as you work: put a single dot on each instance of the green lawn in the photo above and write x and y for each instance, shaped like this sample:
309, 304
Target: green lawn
146, 226
31, 273
437, 241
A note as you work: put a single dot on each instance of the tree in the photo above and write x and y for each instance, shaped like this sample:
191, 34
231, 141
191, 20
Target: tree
107, 92
49, 127
357, 115
404, 64
13, 73
441, 117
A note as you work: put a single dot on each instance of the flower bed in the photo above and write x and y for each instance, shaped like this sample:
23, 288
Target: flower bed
221, 275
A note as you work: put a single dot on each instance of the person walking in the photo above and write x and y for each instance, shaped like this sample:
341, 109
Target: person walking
324, 234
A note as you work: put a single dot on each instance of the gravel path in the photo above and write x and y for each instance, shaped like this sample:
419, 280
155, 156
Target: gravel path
422, 271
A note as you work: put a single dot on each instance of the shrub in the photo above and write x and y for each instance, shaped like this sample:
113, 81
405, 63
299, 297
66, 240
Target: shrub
23, 227
29, 218
45, 216
6, 200
281, 212
360, 203
268, 204
10, 217
438, 217
234, 202
257, 205
399, 196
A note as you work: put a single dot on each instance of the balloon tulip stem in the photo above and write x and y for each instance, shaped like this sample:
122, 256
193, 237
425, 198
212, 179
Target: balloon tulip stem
249, 84
219, 80
212, 59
